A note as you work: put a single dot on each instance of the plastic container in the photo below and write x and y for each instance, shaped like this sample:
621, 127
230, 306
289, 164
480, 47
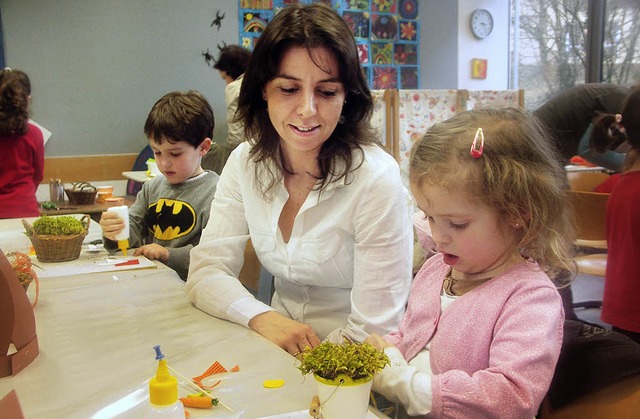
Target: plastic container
123, 236
348, 400
152, 168
163, 393
104, 192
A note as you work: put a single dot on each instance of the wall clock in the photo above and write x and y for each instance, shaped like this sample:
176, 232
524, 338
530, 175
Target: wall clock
481, 23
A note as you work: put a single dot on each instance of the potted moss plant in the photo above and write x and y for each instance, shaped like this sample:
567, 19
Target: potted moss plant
344, 374
59, 238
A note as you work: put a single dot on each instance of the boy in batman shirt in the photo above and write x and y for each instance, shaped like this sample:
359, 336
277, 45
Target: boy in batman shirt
170, 211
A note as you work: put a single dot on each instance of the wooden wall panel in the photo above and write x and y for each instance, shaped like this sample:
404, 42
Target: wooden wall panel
87, 168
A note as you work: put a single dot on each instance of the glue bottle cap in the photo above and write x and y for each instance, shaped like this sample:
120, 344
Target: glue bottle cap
163, 388
123, 245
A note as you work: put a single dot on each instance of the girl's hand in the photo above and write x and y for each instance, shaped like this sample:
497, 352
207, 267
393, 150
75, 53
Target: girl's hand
153, 251
377, 342
288, 334
111, 224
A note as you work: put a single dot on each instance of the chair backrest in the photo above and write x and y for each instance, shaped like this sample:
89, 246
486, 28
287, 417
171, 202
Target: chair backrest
585, 181
146, 153
590, 210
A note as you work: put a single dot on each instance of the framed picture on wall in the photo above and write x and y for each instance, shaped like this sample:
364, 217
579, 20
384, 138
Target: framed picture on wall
387, 34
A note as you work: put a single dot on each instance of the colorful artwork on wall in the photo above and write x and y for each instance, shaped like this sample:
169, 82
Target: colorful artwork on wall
387, 34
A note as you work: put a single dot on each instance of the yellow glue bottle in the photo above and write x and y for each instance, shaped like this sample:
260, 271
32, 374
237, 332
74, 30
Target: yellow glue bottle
163, 393
123, 236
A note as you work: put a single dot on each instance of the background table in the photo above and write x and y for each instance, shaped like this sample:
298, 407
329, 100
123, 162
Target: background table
139, 176
94, 210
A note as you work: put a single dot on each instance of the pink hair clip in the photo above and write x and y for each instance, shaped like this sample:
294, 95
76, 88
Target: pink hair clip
476, 149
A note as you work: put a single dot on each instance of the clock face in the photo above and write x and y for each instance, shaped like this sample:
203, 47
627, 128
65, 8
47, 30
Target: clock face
481, 23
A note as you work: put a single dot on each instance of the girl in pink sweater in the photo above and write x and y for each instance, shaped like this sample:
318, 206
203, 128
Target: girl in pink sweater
483, 328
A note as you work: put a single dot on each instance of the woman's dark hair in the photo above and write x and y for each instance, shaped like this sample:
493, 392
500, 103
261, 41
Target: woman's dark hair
608, 134
233, 60
15, 88
308, 26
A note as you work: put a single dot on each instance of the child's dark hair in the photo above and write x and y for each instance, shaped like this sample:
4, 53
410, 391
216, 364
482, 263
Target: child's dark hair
233, 60
15, 88
180, 116
518, 176
608, 131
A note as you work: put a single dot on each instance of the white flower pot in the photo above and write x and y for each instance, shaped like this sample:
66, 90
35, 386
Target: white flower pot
348, 400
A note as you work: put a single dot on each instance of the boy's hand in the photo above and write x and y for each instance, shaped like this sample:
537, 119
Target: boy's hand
111, 224
153, 251
377, 341
288, 334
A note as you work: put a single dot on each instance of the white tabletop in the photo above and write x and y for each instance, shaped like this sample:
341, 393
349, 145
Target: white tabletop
138, 176
577, 168
14, 239
96, 335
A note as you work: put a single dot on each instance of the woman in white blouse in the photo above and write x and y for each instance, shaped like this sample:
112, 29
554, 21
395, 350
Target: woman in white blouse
324, 205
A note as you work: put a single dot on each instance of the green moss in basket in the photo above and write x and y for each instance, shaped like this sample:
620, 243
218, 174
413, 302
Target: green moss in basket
58, 226
355, 360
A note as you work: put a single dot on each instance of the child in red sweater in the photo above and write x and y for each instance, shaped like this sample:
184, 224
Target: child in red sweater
22, 146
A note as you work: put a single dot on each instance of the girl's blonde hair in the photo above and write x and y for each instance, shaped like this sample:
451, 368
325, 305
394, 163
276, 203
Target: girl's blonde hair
518, 175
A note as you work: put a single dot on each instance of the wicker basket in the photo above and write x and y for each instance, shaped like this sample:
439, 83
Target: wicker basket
81, 193
57, 248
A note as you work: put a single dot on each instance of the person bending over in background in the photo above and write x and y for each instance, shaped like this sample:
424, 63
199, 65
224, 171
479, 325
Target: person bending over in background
170, 211
22, 147
484, 324
609, 134
568, 117
323, 204
620, 306
231, 64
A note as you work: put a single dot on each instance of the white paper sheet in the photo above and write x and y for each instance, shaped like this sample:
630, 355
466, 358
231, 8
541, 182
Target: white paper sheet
91, 264
45, 132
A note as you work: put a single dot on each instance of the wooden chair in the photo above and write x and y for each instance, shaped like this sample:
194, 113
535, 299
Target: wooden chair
250, 273
254, 277
590, 212
585, 181
620, 400
590, 209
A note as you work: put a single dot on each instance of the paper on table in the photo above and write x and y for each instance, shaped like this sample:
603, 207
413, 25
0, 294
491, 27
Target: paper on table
92, 265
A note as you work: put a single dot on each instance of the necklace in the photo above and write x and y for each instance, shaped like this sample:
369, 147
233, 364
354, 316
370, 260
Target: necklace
458, 287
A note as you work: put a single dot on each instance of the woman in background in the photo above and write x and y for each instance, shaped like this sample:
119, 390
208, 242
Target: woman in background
231, 64
22, 146
569, 115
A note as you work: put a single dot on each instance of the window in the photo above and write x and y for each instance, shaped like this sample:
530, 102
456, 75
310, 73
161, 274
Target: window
550, 50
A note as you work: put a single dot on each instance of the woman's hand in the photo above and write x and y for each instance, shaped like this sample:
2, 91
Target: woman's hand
153, 251
111, 225
377, 342
288, 334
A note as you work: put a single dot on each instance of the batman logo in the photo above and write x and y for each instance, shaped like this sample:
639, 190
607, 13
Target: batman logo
170, 219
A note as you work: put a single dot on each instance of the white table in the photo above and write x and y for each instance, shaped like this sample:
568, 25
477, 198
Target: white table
14, 239
138, 176
578, 168
96, 335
